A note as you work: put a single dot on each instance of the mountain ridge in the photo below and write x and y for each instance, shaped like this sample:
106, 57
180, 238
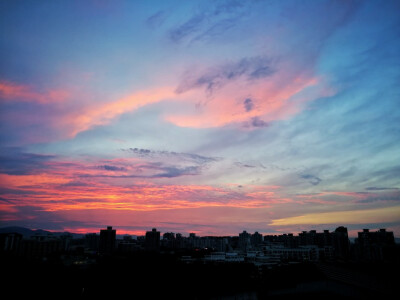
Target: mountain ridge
26, 232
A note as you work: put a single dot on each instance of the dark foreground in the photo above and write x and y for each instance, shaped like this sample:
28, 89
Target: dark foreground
162, 276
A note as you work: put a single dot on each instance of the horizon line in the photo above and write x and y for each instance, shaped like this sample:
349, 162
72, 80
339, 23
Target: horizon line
125, 233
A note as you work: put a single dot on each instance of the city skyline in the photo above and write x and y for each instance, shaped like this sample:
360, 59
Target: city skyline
322, 260
306, 246
121, 234
210, 117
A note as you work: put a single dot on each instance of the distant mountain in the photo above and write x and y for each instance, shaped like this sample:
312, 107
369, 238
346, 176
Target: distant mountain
26, 232
15, 229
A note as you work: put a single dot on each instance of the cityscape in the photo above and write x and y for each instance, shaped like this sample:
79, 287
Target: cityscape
310, 263
202, 149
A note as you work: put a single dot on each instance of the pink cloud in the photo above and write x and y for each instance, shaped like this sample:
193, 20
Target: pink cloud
64, 186
278, 97
95, 114
10, 91
83, 190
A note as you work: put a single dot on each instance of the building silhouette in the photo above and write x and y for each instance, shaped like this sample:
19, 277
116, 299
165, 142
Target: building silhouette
244, 241
375, 246
328, 246
107, 240
152, 240
10, 242
341, 243
92, 241
256, 239
40, 245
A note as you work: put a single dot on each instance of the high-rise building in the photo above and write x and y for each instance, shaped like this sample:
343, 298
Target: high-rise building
256, 239
341, 243
152, 242
92, 241
375, 246
244, 241
169, 236
40, 245
9, 242
107, 240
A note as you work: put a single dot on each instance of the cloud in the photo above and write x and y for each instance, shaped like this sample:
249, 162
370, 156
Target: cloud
229, 6
156, 20
143, 169
250, 68
393, 196
376, 215
11, 91
112, 168
220, 91
314, 180
141, 152
248, 104
257, 122
387, 174
184, 156
242, 165
14, 161
373, 188
170, 172
188, 28
75, 184
210, 21
95, 114
16, 191
216, 30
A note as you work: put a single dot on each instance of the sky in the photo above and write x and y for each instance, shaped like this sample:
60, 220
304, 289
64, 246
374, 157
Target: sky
211, 117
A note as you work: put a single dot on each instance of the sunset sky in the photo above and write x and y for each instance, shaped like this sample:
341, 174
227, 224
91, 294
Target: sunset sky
211, 117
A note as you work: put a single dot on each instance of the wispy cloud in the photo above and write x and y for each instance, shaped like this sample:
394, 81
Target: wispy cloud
374, 188
209, 21
220, 91
156, 20
244, 165
248, 104
112, 168
170, 172
249, 68
314, 180
15, 161
189, 27
256, 122
200, 159
11, 91
382, 196
95, 114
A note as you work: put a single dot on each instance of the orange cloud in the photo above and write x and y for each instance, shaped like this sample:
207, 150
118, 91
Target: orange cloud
59, 190
376, 215
17, 181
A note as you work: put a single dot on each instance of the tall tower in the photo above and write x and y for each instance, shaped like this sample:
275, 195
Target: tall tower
107, 240
341, 243
244, 241
152, 240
